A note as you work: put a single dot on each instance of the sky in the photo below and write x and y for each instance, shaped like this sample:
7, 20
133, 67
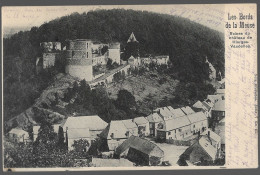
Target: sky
25, 17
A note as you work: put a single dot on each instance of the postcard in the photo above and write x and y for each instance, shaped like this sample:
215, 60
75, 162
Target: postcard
129, 87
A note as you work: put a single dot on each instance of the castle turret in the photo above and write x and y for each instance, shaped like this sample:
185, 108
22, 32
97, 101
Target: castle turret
79, 59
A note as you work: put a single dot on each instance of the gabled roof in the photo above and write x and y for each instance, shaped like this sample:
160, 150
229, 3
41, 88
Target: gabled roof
78, 133
209, 149
206, 105
196, 117
176, 123
116, 129
200, 105
129, 124
212, 134
92, 122
165, 113
131, 57
132, 38
178, 112
140, 120
219, 106
187, 110
154, 118
143, 145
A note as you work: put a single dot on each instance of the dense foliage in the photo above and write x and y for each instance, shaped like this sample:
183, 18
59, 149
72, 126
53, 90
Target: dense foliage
186, 42
84, 101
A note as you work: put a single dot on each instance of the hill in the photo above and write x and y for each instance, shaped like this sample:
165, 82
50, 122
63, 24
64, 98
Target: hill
186, 42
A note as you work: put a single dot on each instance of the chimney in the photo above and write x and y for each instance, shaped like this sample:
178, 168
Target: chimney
209, 137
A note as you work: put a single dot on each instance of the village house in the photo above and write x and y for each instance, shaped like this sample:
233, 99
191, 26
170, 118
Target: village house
160, 60
134, 62
115, 134
131, 126
201, 150
37, 127
154, 120
165, 113
218, 111
143, 126
198, 122
174, 129
221, 92
220, 130
204, 107
18, 135
214, 139
83, 127
140, 151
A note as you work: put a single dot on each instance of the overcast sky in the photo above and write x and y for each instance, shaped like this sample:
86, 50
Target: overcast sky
27, 17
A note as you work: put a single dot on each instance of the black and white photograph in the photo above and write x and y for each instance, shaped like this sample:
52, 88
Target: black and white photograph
113, 86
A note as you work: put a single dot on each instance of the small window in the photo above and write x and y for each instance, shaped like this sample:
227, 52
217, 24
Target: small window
87, 54
169, 133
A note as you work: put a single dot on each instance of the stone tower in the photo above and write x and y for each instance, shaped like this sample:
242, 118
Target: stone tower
79, 59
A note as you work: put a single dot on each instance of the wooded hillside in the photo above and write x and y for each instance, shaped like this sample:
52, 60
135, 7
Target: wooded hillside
186, 42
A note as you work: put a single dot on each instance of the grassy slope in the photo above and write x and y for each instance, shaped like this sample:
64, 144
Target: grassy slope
146, 89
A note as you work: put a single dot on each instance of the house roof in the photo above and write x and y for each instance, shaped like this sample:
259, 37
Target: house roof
220, 91
178, 112
209, 149
131, 57
129, 124
206, 105
78, 133
165, 113
219, 106
98, 162
200, 105
176, 123
115, 128
18, 132
143, 145
92, 122
196, 117
154, 118
132, 38
187, 110
213, 135
140, 120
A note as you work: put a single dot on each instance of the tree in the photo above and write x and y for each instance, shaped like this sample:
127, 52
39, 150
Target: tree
125, 100
81, 145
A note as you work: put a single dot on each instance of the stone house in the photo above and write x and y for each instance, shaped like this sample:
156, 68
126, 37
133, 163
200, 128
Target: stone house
154, 120
198, 122
174, 129
140, 151
83, 127
143, 126
131, 126
201, 150
115, 134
